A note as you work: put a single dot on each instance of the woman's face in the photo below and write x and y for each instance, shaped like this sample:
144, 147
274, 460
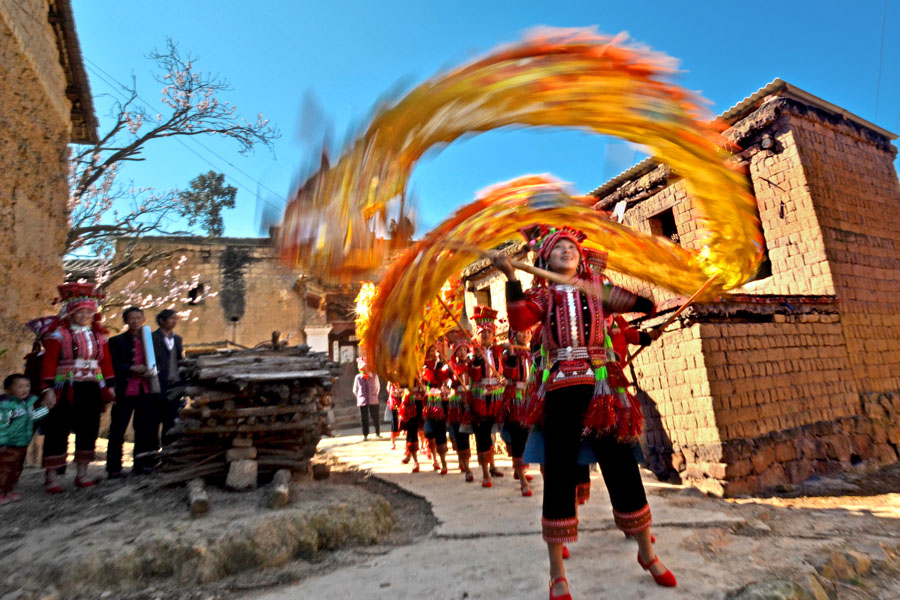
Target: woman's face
461, 352
523, 338
82, 317
564, 257
485, 336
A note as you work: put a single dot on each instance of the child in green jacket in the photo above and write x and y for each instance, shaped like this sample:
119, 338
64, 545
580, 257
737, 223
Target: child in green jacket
17, 418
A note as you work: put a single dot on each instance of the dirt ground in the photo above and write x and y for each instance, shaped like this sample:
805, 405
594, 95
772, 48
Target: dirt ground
825, 523
83, 519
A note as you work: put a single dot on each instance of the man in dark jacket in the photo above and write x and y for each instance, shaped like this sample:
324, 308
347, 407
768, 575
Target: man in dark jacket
134, 395
169, 350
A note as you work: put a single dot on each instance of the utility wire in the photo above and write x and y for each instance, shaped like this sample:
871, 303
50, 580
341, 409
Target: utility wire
107, 79
880, 58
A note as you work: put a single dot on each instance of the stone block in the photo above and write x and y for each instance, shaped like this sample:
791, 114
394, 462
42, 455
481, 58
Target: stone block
837, 447
762, 458
885, 454
773, 476
785, 451
798, 471
738, 469
745, 486
233, 454
242, 475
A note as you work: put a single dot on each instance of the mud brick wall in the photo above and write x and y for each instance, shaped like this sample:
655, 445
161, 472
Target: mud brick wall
254, 292
674, 392
34, 132
856, 194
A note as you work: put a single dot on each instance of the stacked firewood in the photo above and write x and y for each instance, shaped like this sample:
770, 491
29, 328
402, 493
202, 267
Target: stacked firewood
259, 410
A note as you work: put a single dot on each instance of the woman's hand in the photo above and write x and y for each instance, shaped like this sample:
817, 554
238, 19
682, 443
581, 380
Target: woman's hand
501, 262
48, 398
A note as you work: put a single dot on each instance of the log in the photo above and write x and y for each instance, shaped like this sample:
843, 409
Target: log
280, 493
237, 413
300, 466
231, 375
209, 373
246, 428
192, 473
197, 497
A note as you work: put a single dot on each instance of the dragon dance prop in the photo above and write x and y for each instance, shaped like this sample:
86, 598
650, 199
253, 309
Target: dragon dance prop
555, 78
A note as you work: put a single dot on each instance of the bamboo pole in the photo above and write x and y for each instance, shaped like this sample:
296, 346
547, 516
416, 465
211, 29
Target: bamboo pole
674, 316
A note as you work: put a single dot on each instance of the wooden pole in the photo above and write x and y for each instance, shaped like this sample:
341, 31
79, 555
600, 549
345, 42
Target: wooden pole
674, 316
585, 286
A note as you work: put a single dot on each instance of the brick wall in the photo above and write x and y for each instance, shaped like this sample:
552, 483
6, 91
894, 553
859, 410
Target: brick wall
254, 291
857, 199
34, 133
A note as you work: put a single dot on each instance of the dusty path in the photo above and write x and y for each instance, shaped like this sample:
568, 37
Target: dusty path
487, 543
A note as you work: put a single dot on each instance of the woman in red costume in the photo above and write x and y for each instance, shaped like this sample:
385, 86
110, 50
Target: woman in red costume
459, 418
516, 370
434, 374
581, 391
76, 373
486, 392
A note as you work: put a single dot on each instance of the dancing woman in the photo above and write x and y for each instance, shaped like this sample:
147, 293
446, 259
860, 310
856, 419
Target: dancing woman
578, 396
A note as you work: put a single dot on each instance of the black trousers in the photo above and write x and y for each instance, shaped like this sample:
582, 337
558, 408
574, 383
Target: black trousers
77, 410
518, 435
462, 439
484, 442
413, 425
563, 424
147, 411
436, 429
395, 421
365, 413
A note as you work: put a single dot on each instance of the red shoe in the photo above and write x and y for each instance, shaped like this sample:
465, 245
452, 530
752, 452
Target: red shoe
665, 580
469, 477
526, 491
84, 483
565, 552
566, 596
444, 471
527, 477
486, 483
495, 472
406, 459
53, 489
415, 469
436, 466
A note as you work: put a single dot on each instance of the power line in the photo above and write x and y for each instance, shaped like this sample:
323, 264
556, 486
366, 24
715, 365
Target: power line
97, 70
880, 58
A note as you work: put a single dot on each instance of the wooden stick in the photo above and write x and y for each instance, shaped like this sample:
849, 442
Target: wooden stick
674, 316
585, 286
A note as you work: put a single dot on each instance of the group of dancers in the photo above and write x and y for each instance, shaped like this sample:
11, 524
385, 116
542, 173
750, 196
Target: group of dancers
556, 391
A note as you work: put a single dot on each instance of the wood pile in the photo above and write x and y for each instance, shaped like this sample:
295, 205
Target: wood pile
248, 414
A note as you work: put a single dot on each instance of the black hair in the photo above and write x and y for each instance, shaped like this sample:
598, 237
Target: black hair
163, 315
130, 310
10, 379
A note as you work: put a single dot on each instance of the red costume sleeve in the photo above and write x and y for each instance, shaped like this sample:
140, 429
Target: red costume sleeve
631, 334
52, 348
525, 309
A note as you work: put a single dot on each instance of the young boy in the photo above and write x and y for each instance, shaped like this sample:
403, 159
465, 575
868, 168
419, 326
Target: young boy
17, 417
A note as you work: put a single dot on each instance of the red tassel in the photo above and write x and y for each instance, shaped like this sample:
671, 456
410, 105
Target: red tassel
536, 413
601, 414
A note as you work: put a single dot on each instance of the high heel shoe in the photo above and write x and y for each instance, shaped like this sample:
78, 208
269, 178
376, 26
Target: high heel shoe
469, 477
527, 477
665, 580
565, 552
415, 469
486, 483
84, 483
566, 596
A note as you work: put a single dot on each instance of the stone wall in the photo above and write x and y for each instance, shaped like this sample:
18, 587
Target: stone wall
34, 135
247, 292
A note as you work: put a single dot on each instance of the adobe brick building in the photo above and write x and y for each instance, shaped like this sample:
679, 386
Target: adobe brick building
795, 374
45, 103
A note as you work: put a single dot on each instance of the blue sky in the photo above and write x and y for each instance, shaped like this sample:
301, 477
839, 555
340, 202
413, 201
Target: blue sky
349, 53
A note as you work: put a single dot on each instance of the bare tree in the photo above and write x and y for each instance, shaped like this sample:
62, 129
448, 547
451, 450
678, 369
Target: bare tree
104, 209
